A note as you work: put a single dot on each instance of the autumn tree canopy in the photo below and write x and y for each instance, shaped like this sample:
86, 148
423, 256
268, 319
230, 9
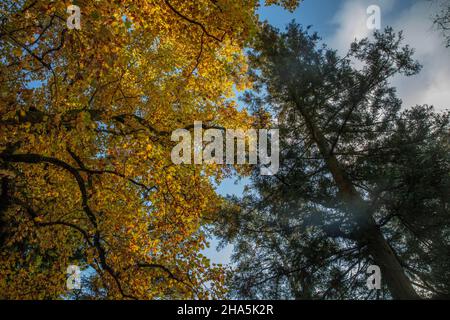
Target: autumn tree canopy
85, 123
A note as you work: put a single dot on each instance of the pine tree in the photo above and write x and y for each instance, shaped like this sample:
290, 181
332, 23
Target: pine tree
362, 181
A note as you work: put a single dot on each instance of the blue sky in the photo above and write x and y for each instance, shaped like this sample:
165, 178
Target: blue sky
339, 22
321, 14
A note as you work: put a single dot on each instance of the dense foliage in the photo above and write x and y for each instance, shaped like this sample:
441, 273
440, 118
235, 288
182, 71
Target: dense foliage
85, 122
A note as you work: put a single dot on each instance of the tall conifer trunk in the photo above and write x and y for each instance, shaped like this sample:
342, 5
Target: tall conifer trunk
367, 233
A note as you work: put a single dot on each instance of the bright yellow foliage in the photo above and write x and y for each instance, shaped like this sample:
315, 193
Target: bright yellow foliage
85, 123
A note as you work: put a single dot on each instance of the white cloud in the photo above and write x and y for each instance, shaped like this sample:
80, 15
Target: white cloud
432, 85
351, 22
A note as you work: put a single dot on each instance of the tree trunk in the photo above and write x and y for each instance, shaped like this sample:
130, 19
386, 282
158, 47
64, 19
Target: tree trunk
391, 271
367, 233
